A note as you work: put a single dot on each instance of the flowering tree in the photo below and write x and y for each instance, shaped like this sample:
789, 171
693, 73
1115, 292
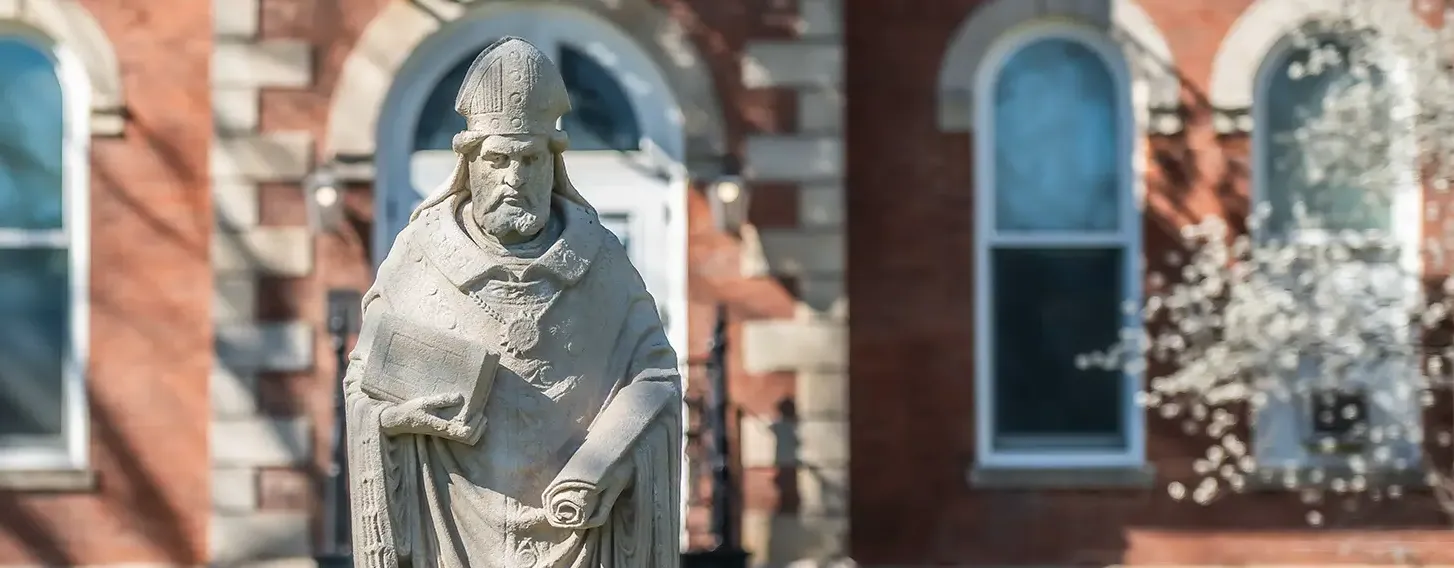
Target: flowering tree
1308, 344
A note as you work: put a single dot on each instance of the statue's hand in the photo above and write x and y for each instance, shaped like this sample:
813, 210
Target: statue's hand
573, 508
579, 505
417, 416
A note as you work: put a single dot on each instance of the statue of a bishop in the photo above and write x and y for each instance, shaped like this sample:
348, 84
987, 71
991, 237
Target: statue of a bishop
513, 401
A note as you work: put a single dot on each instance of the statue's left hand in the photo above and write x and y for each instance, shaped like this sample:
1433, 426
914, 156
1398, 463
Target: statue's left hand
573, 508
578, 506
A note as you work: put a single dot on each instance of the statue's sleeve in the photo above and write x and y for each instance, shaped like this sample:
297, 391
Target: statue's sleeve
631, 457
652, 357
378, 468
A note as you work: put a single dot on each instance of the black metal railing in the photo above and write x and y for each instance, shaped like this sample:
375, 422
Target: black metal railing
343, 322
726, 553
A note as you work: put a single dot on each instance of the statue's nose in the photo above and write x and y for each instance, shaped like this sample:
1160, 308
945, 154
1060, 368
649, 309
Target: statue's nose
514, 175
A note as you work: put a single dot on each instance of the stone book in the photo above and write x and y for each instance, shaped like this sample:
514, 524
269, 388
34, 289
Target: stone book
407, 360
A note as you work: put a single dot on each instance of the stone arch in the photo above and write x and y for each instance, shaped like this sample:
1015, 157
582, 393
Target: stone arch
1155, 89
78, 35
1256, 33
391, 38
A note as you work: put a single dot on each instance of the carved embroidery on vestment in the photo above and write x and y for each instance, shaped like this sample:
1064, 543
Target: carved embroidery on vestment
522, 330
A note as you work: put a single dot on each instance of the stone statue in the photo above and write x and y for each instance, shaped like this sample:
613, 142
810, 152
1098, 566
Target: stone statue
513, 400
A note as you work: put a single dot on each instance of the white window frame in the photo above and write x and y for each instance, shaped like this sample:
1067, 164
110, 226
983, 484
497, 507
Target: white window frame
1276, 440
74, 236
1127, 236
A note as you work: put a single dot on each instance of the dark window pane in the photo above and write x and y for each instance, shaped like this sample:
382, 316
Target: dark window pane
34, 319
30, 138
1057, 152
438, 122
1338, 200
1049, 306
601, 116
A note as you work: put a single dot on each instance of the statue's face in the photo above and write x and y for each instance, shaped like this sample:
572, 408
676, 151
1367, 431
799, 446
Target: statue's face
510, 182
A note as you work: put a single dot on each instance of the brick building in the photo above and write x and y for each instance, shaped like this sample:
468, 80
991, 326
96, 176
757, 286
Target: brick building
164, 291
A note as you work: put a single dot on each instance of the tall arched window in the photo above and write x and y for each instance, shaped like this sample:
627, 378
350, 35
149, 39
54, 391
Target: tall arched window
1057, 250
40, 281
1293, 92
1343, 181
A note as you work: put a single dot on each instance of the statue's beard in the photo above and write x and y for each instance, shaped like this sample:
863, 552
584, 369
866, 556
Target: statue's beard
504, 219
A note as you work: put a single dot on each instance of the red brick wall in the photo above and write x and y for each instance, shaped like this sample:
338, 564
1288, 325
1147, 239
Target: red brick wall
718, 30
911, 247
150, 332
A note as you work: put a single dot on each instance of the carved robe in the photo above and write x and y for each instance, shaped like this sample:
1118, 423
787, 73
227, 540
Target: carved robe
583, 362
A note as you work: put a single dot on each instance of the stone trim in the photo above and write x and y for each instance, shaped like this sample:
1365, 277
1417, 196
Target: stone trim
1232, 120
1255, 34
41, 481
242, 440
387, 43
1156, 89
800, 539
79, 35
813, 344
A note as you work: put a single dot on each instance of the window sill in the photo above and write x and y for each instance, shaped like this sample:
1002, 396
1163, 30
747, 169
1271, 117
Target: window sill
1303, 477
1069, 478
48, 480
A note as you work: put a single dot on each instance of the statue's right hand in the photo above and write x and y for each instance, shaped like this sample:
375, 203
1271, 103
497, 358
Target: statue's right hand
416, 416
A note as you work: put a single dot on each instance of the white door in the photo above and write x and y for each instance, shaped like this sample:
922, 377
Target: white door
610, 161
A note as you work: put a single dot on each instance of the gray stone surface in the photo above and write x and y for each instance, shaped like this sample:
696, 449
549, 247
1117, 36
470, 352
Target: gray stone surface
235, 109
273, 156
235, 205
792, 64
258, 536
276, 251
261, 442
234, 490
234, 298
278, 346
775, 345
234, 395
794, 158
269, 63
236, 18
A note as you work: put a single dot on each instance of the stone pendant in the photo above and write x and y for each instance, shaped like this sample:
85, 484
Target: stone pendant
522, 335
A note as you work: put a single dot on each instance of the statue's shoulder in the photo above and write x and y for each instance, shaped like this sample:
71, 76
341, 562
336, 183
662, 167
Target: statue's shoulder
406, 256
612, 264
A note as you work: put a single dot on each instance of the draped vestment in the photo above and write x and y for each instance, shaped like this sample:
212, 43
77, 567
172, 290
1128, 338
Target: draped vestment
584, 365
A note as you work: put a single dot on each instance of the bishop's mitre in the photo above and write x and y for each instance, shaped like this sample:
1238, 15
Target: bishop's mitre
512, 88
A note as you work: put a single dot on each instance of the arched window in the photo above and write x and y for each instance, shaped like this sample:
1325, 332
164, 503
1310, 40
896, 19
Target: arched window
40, 282
1341, 181
1293, 92
601, 116
1057, 246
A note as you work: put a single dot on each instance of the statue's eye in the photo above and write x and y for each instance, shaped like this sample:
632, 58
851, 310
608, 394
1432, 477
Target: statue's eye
527, 159
495, 159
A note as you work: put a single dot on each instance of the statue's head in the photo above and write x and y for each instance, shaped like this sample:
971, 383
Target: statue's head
510, 150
